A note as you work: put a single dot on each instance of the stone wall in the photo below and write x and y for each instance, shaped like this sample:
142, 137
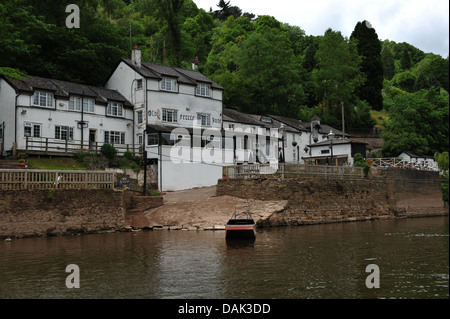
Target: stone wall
318, 200
27, 213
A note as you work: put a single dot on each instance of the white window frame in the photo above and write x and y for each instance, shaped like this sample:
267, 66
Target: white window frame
115, 109
88, 105
63, 132
140, 117
115, 137
203, 90
32, 129
139, 84
170, 116
43, 99
168, 84
204, 119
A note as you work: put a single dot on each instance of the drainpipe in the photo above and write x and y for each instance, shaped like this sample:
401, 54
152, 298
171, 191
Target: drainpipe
15, 123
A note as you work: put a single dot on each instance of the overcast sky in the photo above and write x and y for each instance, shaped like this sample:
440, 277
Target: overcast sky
422, 23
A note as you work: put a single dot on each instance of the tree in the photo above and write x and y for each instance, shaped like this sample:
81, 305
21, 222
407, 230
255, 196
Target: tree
369, 48
270, 73
418, 123
171, 12
337, 74
388, 63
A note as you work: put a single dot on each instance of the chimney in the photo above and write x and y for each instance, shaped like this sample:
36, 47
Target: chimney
136, 56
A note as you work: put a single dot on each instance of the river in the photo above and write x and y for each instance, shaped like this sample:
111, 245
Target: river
317, 261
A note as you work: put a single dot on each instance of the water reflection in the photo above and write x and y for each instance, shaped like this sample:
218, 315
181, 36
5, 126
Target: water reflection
320, 261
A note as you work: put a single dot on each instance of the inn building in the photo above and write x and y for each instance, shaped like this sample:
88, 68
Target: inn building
175, 117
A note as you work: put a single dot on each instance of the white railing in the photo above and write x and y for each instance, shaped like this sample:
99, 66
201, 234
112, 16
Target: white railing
395, 162
20, 179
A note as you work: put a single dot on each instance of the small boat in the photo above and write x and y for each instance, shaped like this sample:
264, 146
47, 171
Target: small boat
240, 228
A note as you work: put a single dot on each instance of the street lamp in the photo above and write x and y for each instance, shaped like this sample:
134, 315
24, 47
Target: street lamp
331, 138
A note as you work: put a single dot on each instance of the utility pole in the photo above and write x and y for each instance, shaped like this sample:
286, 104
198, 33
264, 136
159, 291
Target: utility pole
343, 119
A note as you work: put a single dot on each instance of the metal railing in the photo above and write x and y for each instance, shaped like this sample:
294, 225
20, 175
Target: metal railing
286, 170
20, 179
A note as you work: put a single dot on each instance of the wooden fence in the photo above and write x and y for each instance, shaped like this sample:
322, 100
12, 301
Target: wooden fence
286, 170
45, 145
19, 179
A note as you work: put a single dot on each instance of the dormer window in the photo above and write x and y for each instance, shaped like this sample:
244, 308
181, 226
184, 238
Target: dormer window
43, 99
75, 104
168, 84
203, 90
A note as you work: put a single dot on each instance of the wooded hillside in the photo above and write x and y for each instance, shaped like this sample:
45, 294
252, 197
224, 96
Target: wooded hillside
265, 65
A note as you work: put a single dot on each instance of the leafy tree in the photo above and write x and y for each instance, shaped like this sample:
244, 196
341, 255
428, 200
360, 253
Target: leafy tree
442, 160
388, 63
405, 81
418, 123
337, 74
272, 80
369, 48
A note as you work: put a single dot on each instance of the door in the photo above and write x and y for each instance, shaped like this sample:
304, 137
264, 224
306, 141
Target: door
92, 139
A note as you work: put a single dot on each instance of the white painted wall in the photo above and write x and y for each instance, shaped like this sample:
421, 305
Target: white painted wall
7, 113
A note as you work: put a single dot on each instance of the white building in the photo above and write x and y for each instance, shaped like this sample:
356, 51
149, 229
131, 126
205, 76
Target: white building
180, 112
47, 116
175, 115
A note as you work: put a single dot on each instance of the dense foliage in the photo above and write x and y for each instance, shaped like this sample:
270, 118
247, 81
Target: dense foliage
265, 66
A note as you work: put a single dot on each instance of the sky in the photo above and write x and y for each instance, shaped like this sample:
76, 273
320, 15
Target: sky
421, 23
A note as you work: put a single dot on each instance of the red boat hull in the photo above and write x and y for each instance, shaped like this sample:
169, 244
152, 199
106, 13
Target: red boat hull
234, 229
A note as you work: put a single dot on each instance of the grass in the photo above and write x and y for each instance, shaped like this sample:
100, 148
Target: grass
56, 163
379, 116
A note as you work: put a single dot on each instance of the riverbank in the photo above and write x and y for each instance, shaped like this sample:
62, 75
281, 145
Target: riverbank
272, 203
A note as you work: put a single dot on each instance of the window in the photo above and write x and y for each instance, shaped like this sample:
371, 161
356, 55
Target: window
294, 154
203, 90
139, 84
204, 119
152, 139
170, 116
63, 132
114, 109
231, 127
325, 151
168, 84
75, 104
88, 105
32, 129
140, 118
113, 137
43, 99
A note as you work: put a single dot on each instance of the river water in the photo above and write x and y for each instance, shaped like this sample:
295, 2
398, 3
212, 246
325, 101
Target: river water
316, 261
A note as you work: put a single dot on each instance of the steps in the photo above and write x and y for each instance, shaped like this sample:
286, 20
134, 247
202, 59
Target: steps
10, 163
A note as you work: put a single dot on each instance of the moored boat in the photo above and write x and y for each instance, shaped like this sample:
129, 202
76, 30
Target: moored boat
240, 227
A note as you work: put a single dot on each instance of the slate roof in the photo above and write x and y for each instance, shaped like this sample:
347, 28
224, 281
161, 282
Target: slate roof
157, 71
65, 89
